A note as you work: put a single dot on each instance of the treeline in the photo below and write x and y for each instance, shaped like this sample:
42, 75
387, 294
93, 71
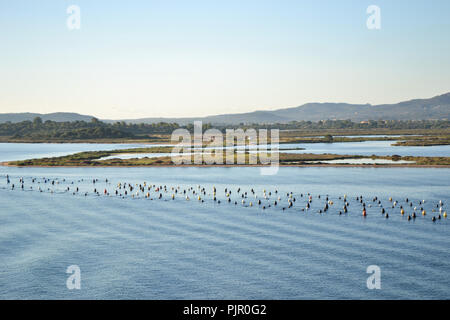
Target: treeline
77, 134
348, 124
76, 130
334, 124
95, 129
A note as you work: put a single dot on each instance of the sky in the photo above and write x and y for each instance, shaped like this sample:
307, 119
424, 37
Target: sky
178, 58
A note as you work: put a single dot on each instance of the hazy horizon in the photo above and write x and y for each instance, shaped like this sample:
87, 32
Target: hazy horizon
273, 109
193, 59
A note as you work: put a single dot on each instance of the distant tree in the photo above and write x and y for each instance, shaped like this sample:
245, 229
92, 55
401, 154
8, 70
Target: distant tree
37, 121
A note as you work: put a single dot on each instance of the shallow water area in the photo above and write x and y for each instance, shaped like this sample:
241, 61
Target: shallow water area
25, 151
136, 247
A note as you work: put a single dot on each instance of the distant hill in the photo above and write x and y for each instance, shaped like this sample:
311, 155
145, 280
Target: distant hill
436, 108
57, 116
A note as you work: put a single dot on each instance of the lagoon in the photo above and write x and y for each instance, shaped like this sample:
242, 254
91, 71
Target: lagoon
137, 248
24, 151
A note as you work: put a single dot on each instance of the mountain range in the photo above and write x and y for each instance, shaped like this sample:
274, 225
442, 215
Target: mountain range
436, 108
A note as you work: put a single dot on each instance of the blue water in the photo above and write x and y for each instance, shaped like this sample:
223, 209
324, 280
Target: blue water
133, 248
368, 148
24, 151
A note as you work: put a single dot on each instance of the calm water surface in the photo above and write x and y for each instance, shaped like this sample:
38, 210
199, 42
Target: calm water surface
23, 151
367, 148
136, 248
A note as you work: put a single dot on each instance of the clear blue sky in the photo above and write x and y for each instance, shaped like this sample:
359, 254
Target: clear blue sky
149, 58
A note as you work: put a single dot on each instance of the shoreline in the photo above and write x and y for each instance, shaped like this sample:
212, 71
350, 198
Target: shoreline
6, 164
86, 142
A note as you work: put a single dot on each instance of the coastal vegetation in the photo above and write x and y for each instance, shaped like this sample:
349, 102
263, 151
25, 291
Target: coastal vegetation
95, 158
295, 131
425, 141
76, 131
